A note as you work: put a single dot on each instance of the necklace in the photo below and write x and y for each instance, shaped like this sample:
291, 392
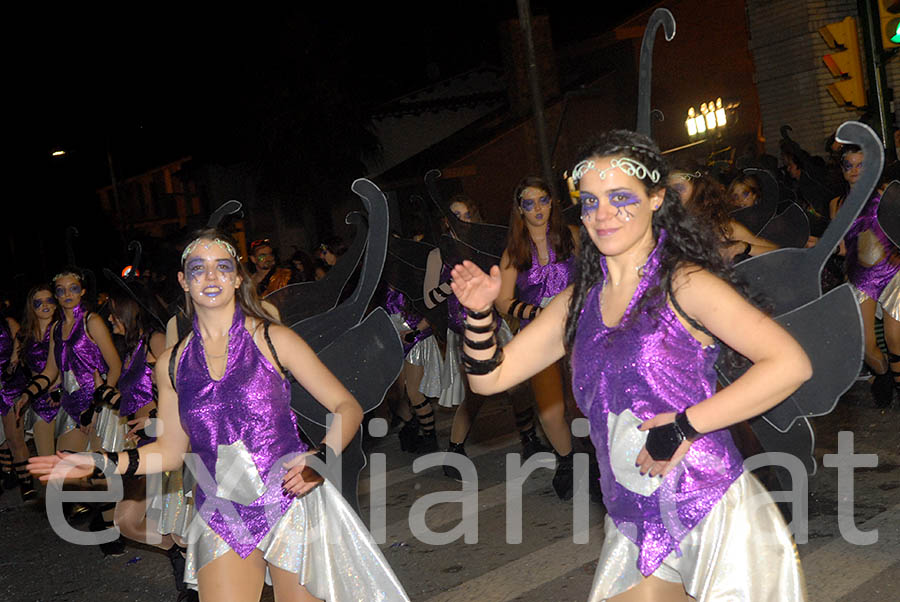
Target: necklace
638, 269
210, 356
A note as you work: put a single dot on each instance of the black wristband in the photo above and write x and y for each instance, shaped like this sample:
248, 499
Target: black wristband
480, 345
479, 315
482, 329
134, 460
411, 335
481, 367
663, 440
685, 426
534, 312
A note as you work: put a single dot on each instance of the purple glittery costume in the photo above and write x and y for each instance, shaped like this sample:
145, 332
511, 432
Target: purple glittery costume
33, 360
622, 375
136, 382
395, 303
77, 358
540, 283
8, 392
870, 279
456, 313
242, 428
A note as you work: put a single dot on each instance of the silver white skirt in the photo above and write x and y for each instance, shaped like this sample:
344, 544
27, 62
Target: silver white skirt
64, 423
453, 377
890, 298
320, 539
111, 429
454, 391
172, 508
427, 354
742, 551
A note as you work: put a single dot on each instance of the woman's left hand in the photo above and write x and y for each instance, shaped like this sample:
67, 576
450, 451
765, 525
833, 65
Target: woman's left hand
660, 467
293, 482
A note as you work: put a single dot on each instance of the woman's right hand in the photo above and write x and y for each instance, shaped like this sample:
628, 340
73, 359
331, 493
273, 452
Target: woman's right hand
63, 465
474, 289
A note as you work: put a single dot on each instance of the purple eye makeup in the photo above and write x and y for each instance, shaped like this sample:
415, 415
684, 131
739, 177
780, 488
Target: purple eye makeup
61, 291
622, 200
529, 204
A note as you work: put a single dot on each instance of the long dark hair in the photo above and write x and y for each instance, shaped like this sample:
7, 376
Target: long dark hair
138, 325
518, 243
710, 203
29, 323
245, 295
689, 240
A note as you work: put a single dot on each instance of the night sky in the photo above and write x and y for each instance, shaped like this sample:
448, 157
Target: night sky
154, 83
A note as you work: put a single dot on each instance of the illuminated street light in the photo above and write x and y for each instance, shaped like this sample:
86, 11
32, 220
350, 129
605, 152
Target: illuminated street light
713, 115
690, 122
720, 113
58, 153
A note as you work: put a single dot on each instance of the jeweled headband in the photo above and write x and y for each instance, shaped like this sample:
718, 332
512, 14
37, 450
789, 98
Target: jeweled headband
627, 165
73, 274
218, 241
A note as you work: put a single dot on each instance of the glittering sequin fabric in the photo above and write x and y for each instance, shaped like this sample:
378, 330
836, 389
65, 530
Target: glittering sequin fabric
868, 252
77, 358
34, 359
8, 393
623, 375
540, 283
136, 382
395, 303
241, 430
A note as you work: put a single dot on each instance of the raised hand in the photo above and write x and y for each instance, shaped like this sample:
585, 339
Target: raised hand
63, 465
473, 288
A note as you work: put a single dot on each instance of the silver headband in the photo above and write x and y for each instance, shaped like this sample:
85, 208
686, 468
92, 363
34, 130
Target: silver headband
218, 241
627, 165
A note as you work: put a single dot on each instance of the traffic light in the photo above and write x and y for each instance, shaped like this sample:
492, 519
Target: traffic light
889, 20
844, 63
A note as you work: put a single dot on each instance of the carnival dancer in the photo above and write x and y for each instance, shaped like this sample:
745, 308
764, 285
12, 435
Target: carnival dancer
538, 264
13, 452
83, 356
32, 346
436, 291
223, 391
871, 262
421, 374
650, 295
135, 402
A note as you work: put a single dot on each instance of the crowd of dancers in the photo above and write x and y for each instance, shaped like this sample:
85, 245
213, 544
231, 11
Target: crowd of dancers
623, 309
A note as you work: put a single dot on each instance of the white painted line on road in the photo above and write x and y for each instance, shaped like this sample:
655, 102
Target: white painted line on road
529, 572
837, 568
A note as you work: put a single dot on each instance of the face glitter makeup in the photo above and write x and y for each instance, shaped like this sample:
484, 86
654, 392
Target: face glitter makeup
528, 204
620, 199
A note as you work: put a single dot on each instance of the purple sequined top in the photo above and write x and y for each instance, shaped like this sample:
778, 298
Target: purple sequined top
868, 252
540, 283
33, 361
395, 303
456, 313
136, 382
623, 375
242, 429
8, 391
77, 358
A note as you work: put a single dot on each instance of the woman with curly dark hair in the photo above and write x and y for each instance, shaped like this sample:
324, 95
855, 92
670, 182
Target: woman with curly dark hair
641, 326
